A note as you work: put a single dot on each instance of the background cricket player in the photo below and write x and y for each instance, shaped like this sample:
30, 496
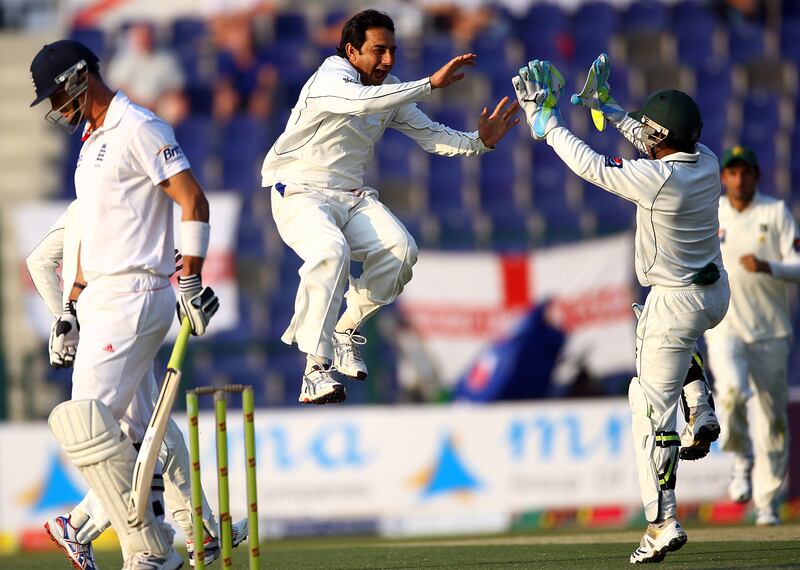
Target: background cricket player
59, 247
676, 190
748, 352
129, 172
324, 212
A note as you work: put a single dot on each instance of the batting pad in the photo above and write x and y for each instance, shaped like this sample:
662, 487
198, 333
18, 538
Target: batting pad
91, 438
656, 456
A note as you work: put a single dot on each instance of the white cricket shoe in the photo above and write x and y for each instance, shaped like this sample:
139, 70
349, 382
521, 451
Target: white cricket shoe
740, 488
656, 542
700, 432
211, 547
320, 387
148, 561
346, 355
60, 531
767, 517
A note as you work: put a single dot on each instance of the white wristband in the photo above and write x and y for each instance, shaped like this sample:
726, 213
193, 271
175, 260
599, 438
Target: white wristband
194, 238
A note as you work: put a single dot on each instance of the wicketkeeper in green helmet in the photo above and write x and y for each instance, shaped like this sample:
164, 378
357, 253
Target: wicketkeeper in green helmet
676, 189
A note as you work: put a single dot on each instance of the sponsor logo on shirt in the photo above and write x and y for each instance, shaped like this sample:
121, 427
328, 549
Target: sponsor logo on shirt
614, 162
171, 153
350, 80
721, 234
100, 155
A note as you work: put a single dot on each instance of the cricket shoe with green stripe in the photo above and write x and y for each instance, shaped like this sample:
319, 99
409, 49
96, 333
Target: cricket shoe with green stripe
659, 539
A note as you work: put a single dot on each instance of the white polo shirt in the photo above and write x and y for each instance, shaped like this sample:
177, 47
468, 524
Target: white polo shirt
330, 135
759, 308
677, 203
125, 217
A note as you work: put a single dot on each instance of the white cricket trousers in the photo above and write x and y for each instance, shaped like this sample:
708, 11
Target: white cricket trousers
124, 319
327, 229
754, 373
673, 320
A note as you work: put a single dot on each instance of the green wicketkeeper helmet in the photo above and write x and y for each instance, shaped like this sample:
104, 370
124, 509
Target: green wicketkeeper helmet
669, 115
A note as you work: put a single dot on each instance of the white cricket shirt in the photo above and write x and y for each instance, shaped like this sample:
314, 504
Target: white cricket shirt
759, 308
331, 132
125, 217
676, 197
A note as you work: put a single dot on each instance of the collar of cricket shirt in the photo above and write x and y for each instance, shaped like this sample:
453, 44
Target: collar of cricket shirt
681, 157
116, 109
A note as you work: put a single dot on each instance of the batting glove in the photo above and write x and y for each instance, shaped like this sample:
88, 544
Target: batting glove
538, 87
596, 94
196, 303
64, 338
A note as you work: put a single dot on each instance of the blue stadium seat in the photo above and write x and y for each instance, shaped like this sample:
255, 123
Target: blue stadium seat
242, 145
509, 230
643, 15
760, 116
613, 213
745, 41
393, 153
694, 25
497, 179
457, 231
250, 240
188, 31
544, 32
436, 51
93, 38
713, 85
196, 137
592, 27
446, 174
790, 33
291, 27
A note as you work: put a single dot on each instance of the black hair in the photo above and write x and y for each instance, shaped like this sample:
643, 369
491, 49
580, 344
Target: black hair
355, 29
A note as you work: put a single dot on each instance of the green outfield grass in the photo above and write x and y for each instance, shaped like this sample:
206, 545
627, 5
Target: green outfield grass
724, 547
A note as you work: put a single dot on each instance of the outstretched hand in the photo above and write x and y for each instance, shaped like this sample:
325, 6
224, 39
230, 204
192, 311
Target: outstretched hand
449, 72
492, 128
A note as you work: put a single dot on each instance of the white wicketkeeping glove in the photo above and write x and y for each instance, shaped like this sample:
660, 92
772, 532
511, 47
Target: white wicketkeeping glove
64, 338
538, 87
596, 94
196, 303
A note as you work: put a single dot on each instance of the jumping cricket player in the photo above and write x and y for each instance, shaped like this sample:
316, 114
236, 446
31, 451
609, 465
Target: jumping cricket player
59, 247
129, 172
748, 352
328, 217
676, 190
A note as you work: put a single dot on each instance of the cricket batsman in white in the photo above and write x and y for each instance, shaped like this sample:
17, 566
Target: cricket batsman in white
748, 353
129, 172
328, 217
676, 190
59, 247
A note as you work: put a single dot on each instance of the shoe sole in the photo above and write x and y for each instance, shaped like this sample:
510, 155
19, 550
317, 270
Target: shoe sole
61, 546
335, 396
703, 439
659, 555
360, 376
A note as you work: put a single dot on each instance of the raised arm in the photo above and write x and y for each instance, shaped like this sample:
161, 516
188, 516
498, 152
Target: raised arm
636, 180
